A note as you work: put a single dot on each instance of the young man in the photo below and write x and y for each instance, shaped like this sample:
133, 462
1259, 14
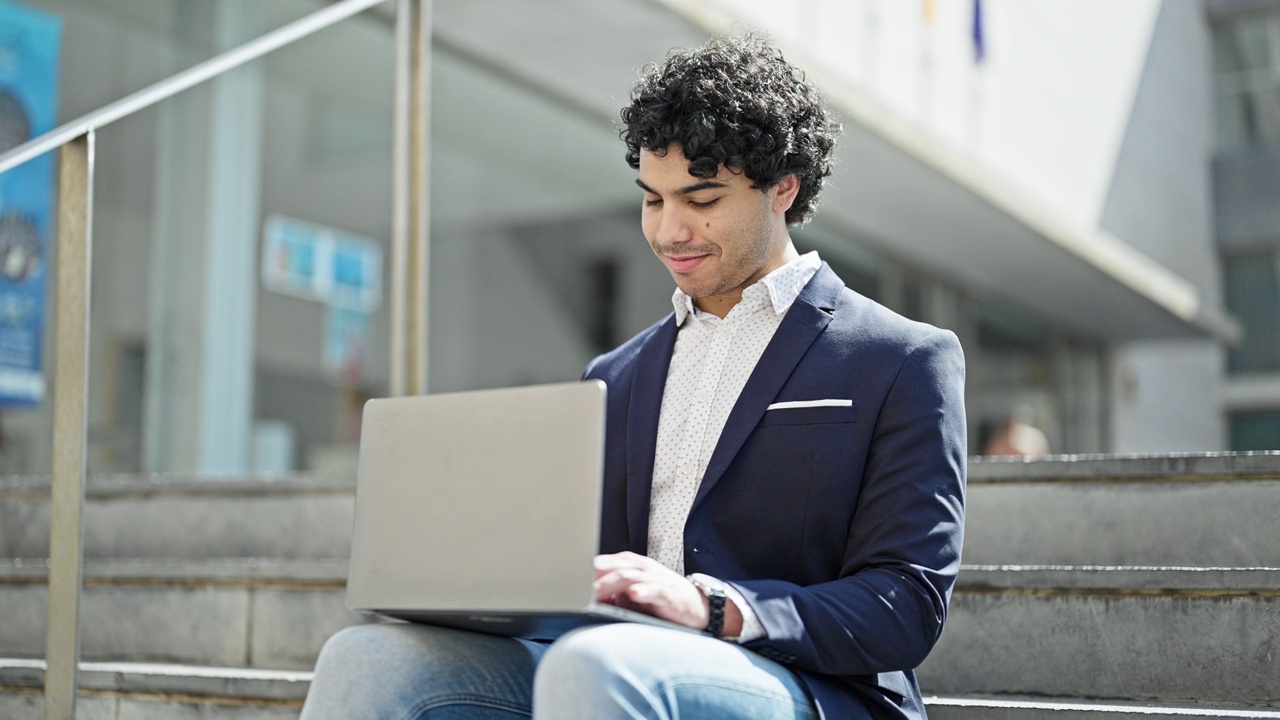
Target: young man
785, 461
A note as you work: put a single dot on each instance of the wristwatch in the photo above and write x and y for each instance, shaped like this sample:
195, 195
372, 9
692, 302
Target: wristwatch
714, 590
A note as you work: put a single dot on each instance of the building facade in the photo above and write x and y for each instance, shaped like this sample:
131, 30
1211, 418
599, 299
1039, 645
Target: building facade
1246, 173
1041, 177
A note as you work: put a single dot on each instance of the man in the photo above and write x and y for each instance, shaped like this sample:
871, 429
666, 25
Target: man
785, 460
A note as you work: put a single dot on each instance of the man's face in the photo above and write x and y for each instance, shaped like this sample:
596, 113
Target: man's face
716, 235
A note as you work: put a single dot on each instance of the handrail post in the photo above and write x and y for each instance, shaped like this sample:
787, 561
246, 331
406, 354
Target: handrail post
71, 379
410, 242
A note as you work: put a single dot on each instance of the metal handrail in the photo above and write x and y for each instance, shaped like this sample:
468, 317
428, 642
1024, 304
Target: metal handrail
192, 76
75, 226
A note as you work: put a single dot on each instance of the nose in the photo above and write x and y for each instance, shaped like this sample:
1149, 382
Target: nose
673, 227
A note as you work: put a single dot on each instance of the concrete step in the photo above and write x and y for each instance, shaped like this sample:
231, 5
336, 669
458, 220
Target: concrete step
959, 707
233, 612
293, 516
1193, 635
137, 691
1214, 510
1210, 510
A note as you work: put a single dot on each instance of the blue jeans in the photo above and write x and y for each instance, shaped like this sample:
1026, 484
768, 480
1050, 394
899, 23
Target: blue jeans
619, 671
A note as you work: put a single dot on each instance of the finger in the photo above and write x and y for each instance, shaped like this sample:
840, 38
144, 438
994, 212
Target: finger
616, 582
646, 594
656, 600
605, 563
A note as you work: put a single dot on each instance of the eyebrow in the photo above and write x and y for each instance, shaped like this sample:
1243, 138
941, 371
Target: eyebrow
704, 185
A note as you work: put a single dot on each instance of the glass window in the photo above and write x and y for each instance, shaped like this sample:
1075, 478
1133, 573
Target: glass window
1255, 431
1252, 284
1247, 65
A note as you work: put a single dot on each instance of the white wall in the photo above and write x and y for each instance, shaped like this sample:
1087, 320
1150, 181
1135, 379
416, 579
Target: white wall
1166, 397
1102, 109
1160, 197
1160, 201
1047, 107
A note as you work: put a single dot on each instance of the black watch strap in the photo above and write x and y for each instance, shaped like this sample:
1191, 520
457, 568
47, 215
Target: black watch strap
715, 607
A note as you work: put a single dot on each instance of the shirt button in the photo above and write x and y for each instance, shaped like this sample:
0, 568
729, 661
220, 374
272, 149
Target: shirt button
703, 396
686, 469
670, 544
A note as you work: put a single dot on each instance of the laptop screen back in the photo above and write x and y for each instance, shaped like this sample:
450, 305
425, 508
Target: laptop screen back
479, 501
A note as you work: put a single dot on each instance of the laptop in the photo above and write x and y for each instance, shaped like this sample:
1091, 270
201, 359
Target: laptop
481, 510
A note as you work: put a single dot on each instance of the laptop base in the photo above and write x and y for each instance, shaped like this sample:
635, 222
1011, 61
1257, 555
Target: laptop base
529, 625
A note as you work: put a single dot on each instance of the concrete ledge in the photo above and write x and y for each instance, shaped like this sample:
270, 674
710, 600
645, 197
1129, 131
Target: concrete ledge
248, 572
109, 691
231, 613
1128, 468
195, 680
1212, 522
1171, 581
1120, 634
1195, 466
1037, 708
117, 485
28, 704
182, 516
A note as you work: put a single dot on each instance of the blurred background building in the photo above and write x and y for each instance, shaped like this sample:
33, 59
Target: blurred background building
1086, 191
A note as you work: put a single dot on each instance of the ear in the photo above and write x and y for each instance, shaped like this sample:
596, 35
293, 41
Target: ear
784, 192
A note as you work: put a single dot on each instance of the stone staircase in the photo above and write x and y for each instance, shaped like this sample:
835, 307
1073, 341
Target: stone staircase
203, 597
1093, 587
1115, 587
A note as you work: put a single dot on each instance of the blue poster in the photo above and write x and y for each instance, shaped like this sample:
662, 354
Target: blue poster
29, 50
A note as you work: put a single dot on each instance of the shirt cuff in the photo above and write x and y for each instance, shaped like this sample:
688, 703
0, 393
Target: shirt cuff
751, 627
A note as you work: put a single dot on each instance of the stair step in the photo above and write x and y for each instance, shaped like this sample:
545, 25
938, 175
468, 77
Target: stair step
137, 690
1063, 468
146, 690
234, 612
1164, 634
1192, 510
953, 707
293, 516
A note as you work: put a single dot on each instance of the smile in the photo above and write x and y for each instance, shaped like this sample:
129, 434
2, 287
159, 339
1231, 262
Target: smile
684, 264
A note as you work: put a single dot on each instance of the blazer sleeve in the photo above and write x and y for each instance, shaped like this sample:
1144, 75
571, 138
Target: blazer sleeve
886, 607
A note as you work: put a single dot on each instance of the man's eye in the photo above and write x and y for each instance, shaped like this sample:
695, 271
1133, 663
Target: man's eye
652, 203
704, 205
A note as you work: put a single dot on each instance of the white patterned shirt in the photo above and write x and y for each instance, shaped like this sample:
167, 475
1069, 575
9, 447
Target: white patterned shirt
710, 364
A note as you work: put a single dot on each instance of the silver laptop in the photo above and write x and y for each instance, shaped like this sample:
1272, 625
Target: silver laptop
481, 510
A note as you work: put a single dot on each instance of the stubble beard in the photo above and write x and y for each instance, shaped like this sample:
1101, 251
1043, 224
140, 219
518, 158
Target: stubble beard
737, 276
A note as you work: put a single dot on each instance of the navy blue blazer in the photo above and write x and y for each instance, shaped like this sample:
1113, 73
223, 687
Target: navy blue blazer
840, 526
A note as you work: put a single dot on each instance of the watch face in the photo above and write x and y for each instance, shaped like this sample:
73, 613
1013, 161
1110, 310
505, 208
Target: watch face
707, 582
15, 128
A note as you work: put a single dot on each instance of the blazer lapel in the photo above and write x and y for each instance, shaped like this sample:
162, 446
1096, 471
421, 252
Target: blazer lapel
808, 316
647, 386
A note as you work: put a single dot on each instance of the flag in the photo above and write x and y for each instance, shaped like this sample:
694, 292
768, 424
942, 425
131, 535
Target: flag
979, 45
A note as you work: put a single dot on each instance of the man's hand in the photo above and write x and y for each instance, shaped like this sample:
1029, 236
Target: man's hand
640, 583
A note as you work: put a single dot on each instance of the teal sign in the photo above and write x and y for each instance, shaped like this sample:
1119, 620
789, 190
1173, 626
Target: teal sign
320, 263
30, 42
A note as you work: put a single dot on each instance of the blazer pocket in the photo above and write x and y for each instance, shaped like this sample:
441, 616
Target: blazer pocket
809, 415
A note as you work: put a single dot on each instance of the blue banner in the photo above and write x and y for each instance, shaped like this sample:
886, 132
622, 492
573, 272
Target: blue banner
30, 41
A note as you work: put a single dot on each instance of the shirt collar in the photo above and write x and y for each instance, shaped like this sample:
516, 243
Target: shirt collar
782, 287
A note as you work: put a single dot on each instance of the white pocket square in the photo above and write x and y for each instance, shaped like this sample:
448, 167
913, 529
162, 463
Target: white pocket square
809, 403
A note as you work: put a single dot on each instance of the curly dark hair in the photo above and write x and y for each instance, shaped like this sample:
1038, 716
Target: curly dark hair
734, 102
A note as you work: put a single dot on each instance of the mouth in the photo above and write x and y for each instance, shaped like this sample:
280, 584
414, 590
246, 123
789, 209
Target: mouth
684, 263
